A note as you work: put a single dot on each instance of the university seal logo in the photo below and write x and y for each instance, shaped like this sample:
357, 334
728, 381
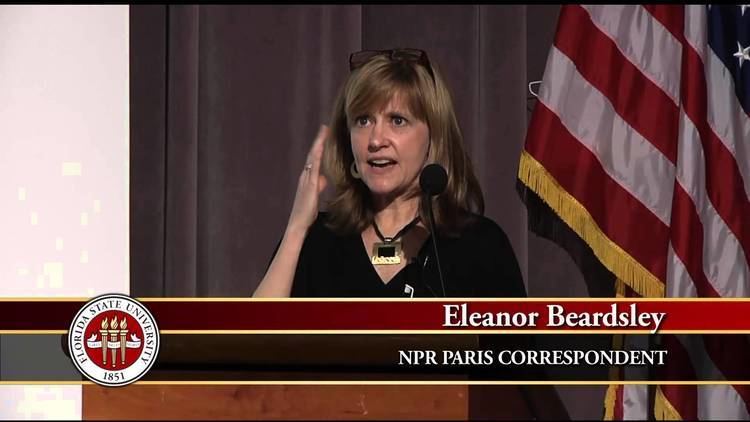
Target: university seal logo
113, 340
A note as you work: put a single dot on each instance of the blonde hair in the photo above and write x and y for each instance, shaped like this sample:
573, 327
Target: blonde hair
371, 86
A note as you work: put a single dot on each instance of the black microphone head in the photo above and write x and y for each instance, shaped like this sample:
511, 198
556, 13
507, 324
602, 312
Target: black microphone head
433, 179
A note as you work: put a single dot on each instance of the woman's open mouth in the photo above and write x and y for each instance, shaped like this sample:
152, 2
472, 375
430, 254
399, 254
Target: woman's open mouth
381, 163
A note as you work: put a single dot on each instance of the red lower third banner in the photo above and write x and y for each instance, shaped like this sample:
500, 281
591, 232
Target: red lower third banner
365, 316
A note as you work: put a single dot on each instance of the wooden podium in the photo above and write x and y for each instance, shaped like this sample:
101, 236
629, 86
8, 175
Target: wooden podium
220, 364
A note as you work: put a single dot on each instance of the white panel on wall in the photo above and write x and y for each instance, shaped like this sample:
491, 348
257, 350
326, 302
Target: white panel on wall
40, 402
64, 128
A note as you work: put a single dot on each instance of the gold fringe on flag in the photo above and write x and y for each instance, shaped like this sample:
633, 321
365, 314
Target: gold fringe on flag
609, 402
575, 215
614, 372
617, 339
663, 409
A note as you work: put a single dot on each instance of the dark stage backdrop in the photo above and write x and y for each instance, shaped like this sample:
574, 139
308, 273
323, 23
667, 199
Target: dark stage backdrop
225, 102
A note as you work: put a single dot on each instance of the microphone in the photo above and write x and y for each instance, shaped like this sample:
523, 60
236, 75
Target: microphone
433, 181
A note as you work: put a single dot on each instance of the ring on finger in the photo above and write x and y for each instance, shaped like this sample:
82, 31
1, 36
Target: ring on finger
308, 166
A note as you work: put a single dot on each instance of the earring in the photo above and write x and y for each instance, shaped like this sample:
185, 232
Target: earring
353, 171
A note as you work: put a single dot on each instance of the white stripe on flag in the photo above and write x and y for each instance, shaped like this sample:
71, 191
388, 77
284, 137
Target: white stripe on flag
635, 402
635, 397
679, 283
695, 29
720, 402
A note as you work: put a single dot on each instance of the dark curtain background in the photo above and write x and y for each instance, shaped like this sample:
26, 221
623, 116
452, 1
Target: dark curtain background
226, 100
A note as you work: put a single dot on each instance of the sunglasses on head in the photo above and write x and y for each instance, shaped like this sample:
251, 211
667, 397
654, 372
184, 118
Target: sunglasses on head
413, 55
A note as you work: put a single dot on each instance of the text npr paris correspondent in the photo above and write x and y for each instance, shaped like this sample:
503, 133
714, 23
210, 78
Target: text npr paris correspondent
566, 357
461, 316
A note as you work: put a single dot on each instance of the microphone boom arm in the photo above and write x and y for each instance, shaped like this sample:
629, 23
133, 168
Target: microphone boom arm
434, 242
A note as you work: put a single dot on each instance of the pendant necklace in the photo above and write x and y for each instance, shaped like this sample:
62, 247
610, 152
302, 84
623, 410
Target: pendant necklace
388, 250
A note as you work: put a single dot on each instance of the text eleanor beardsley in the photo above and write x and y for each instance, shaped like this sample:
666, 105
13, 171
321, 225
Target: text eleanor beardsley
629, 317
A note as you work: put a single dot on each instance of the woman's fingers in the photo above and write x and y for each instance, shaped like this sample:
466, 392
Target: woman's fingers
311, 184
311, 171
316, 151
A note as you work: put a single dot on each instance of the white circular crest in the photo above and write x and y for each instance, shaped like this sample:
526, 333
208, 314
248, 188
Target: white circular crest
113, 340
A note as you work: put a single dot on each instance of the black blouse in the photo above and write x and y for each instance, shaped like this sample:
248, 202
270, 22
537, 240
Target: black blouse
478, 263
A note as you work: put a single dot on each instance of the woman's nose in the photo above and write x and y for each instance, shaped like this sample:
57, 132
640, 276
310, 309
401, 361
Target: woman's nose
377, 136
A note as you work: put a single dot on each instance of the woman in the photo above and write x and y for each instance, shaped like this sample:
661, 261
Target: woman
393, 116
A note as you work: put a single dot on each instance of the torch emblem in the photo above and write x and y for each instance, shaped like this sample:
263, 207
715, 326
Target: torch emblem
114, 340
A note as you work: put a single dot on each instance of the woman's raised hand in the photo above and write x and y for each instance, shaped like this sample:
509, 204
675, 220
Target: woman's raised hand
311, 184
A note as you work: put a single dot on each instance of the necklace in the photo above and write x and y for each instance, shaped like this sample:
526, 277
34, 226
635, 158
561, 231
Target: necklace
388, 250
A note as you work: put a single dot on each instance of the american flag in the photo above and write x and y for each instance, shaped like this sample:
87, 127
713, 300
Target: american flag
640, 143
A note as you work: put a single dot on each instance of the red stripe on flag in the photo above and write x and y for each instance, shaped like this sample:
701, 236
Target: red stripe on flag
687, 240
672, 17
678, 366
615, 210
684, 398
723, 178
640, 102
618, 403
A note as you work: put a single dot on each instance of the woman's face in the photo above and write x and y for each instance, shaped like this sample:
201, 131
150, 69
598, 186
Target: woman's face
390, 149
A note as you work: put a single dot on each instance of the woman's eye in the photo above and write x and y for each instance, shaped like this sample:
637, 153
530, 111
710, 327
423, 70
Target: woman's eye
398, 121
362, 121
